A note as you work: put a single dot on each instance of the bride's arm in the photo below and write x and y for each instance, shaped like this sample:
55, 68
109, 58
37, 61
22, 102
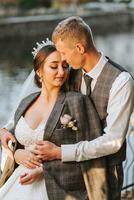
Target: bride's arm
27, 159
5, 137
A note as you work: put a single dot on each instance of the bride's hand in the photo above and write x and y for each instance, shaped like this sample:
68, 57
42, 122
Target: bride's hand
30, 177
27, 159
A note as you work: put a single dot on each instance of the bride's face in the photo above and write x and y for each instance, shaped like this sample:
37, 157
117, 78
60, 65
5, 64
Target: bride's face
55, 71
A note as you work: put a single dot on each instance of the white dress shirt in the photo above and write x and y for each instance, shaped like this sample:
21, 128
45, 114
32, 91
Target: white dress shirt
119, 109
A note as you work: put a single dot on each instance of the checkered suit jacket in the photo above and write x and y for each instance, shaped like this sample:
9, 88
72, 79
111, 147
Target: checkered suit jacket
71, 180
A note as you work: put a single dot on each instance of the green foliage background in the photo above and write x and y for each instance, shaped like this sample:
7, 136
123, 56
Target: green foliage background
28, 3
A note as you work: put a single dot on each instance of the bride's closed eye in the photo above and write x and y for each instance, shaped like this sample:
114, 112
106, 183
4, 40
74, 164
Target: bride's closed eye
53, 66
65, 66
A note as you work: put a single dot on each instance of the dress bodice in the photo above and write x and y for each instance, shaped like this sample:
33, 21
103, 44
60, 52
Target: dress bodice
26, 135
12, 189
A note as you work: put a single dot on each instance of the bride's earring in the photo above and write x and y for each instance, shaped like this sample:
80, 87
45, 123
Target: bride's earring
41, 79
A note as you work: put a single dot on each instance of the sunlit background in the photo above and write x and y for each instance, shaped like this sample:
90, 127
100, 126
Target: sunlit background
23, 22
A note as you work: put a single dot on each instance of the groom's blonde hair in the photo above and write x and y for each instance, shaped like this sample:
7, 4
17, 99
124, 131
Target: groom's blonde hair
75, 29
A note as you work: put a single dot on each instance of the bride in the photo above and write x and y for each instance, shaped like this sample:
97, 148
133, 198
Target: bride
50, 75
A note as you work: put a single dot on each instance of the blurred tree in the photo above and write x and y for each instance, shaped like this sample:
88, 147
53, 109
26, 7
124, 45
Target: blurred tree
66, 3
45, 3
8, 2
28, 3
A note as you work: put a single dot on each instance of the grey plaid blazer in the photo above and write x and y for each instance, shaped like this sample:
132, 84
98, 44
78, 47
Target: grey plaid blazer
72, 180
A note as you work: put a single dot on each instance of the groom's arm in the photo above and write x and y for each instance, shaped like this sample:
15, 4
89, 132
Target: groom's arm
119, 109
112, 140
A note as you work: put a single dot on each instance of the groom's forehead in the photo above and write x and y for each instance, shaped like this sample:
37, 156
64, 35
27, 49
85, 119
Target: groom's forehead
61, 45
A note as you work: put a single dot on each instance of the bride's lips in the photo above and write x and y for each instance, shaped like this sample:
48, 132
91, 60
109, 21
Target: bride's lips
60, 78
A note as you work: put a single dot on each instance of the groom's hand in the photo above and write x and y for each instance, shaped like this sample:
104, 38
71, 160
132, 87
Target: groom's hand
46, 150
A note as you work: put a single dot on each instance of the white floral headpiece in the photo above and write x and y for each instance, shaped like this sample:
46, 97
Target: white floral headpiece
41, 45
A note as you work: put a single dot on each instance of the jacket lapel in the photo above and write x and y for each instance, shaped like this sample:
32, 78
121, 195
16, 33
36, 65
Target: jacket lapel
54, 116
24, 105
75, 79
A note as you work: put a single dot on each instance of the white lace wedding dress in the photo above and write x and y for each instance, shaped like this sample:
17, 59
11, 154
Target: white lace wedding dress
12, 189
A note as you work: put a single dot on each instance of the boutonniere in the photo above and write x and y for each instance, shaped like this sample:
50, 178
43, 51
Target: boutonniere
68, 122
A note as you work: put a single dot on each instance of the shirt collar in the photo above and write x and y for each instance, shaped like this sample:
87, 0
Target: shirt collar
95, 72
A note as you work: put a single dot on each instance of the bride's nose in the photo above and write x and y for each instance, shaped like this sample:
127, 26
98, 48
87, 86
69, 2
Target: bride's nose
60, 71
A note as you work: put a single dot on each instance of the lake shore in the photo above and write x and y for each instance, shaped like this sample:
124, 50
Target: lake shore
100, 22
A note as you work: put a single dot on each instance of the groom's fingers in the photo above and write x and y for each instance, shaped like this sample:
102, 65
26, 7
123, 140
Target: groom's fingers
40, 157
34, 159
36, 151
43, 146
41, 142
41, 153
46, 150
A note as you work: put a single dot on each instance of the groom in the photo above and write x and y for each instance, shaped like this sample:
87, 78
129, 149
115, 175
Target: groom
111, 89
111, 93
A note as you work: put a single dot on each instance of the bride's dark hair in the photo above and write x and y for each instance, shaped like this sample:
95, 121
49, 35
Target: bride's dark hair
40, 59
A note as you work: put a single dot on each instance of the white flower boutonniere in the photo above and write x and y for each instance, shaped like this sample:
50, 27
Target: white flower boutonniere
68, 122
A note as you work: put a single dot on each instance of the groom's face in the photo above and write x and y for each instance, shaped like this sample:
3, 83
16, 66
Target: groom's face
70, 53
